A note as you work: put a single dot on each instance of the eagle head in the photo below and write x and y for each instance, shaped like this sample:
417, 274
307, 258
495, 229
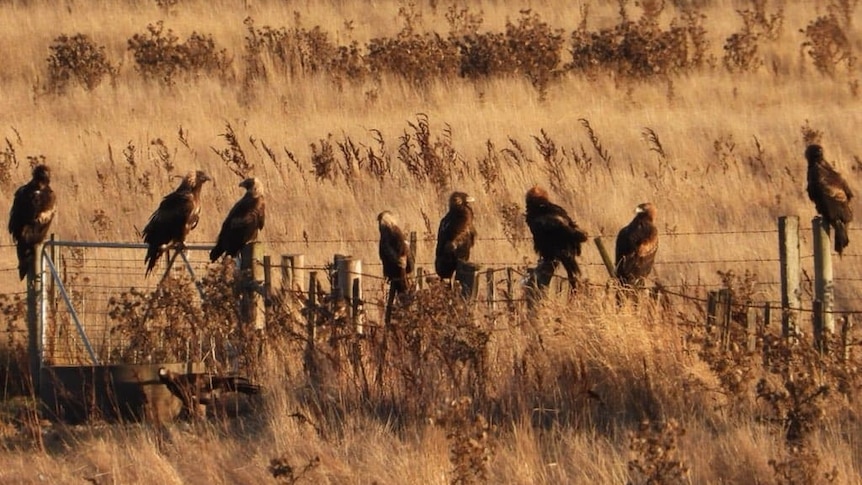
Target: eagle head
387, 219
648, 209
536, 194
252, 184
458, 199
814, 154
42, 174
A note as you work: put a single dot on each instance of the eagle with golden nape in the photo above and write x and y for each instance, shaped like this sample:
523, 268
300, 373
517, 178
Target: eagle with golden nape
556, 236
636, 247
394, 253
831, 195
33, 209
455, 235
244, 221
176, 216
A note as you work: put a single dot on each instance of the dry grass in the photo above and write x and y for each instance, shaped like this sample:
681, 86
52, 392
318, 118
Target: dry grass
565, 390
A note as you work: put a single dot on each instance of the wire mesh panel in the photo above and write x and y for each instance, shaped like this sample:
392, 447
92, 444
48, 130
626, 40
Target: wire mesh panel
99, 306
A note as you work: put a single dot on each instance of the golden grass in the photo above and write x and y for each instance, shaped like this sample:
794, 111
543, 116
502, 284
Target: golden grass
636, 360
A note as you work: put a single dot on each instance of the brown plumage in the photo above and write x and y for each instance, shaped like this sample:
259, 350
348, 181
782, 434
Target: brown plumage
394, 253
556, 237
243, 222
205, 389
33, 208
831, 195
636, 246
455, 235
177, 215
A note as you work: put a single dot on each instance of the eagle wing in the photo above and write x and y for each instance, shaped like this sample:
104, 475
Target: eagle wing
636, 247
241, 226
174, 218
31, 214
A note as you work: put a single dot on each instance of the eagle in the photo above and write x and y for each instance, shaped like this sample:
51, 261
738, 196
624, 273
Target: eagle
636, 246
556, 237
33, 208
831, 195
455, 236
205, 389
243, 222
178, 213
394, 252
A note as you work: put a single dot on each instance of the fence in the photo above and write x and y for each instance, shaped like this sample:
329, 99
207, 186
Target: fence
81, 280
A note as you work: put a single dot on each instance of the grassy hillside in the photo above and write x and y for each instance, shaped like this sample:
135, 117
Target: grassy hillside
701, 123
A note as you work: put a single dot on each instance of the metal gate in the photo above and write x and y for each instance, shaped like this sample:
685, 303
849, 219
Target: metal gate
79, 283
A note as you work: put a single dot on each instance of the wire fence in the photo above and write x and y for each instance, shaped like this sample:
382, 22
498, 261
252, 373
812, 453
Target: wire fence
688, 266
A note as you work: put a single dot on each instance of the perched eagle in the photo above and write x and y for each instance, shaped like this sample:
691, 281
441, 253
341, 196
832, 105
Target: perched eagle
556, 237
30, 218
178, 213
831, 195
243, 222
394, 252
636, 247
455, 236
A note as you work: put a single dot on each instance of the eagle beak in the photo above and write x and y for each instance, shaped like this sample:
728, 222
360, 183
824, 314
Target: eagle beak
639, 209
470, 199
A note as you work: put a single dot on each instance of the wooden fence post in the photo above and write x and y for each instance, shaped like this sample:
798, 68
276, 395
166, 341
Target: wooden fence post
846, 338
788, 250
251, 280
711, 313
510, 288
824, 289
465, 274
420, 279
818, 321
349, 270
606, 257
293, 271
725, 308
491, 289
309, 357
750, 328
35, 301
413, 244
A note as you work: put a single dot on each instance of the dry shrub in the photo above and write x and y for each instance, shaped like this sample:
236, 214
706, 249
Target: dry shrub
430, 158
76, 59
657, 448
741, 48
828, 45
159, 55
642, 49
470, 447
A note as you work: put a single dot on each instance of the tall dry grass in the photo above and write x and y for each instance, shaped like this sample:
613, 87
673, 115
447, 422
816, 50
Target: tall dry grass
571, 385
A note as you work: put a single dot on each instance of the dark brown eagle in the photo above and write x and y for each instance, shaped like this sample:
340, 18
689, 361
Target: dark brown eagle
177, 215
831, 195
31, 215
243, 222
394, 252
205, 389
556, 237
455, 236
636, 247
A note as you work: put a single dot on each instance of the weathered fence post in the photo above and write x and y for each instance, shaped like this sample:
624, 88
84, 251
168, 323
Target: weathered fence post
824, 289
724, 308
251, 281
491, 289
420, 279
309, 357
292, 271
750, 329
35, 302
413, 244
606, 257
788, 251
465, 275
711, 313
846, 338
349, 270
818, 320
